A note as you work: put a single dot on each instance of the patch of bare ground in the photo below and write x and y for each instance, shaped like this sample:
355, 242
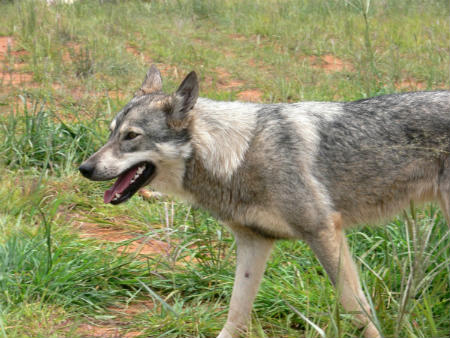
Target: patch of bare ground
70, 51
123, 313
410, 84
237, 36
105, 331
116, 94
251, 95
12, 64
7, 48
13, 78
329, 63
165, 69
83, 225
260, 65
126, 311
77, 93
133, 50
141, 246
225, 81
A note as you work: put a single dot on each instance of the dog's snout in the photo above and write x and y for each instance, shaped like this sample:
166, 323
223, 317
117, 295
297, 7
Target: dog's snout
86, 169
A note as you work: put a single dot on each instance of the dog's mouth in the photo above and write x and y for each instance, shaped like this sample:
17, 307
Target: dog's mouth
129, 182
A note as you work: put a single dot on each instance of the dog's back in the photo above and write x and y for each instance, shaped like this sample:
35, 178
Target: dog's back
380, 153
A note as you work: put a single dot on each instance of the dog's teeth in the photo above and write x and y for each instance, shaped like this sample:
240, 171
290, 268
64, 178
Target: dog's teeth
135, 177
117, 196
140, 169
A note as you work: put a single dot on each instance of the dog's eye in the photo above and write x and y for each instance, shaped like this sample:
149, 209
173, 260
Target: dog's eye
131, 135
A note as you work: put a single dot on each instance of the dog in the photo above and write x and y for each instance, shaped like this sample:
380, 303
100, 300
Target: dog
304, 171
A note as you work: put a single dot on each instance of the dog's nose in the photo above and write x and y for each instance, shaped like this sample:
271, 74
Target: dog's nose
86, 169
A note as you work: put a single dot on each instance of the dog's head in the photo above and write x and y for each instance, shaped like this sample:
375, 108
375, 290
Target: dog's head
149, 138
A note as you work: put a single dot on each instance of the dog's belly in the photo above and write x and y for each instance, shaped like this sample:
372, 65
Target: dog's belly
372, 199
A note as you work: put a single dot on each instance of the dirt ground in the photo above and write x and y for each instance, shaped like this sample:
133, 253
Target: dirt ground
12, 64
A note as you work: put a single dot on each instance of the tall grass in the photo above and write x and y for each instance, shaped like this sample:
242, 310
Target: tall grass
33, 137
40, 261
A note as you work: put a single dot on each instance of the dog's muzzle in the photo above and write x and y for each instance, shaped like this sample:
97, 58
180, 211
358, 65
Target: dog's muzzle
127, 183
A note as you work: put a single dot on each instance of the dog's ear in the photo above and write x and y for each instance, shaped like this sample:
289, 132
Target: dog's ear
184, 99
152, 82
187, 93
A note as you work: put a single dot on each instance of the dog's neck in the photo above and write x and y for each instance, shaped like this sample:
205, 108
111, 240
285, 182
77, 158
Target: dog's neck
221, 134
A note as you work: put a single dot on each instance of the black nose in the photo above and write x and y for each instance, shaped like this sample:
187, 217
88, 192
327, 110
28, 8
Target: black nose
86, 169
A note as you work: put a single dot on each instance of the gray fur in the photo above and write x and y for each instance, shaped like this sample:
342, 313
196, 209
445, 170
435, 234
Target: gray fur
383, 152
303, 171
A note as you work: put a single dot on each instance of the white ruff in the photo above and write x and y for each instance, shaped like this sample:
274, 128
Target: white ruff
221, 133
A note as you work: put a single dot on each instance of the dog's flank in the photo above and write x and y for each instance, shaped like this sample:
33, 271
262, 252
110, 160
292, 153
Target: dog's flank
302, 171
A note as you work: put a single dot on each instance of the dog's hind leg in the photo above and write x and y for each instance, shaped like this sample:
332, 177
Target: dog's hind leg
253, 251
444, 190
330, 247
444, 201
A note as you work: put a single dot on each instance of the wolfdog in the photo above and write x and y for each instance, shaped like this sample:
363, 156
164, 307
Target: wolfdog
282, 171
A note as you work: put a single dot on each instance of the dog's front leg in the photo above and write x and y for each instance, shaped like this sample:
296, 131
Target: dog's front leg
253, 251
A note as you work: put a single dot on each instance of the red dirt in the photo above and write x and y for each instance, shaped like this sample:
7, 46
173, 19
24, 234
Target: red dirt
333, 64
11, 63
410, 84
105, 331
72, 49
229, 54
132, 50
141, 246
222, 73
135, 308
5, 42
225, 81
237, 36
165, 69
15, 79
116, 94
252, 95
230, 84
124, 313
329, 63
7, 45
260, 65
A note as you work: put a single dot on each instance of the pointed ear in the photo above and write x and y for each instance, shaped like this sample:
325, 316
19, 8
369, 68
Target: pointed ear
182, 102
186, 96
152, 82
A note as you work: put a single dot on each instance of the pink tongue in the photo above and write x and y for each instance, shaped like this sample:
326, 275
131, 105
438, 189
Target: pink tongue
120, 185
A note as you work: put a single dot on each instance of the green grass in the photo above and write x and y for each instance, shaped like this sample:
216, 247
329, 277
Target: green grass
36, 138
87, 59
